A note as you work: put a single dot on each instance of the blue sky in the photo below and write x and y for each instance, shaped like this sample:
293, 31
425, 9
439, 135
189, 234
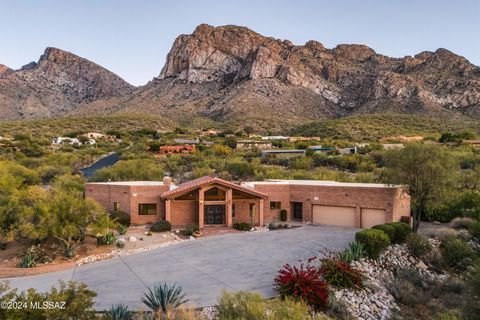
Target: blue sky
132, 38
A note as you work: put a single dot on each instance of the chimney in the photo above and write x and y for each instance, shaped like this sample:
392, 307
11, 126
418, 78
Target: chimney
167, 181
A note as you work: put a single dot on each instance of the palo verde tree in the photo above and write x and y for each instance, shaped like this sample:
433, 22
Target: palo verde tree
426, 170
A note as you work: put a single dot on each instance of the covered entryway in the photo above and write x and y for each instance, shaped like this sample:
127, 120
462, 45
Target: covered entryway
211, 201
334, 215
372, 217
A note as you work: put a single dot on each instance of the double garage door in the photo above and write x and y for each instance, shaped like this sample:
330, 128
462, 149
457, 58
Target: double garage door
345, 216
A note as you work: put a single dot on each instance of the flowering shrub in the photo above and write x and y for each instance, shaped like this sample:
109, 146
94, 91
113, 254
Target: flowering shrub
303, 282
340, 274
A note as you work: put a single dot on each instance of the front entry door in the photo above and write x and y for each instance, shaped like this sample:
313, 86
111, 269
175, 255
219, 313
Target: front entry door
297, 210
215, 214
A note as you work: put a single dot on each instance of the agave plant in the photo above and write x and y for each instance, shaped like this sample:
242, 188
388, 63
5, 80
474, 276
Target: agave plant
355, 251
28, 261
119, 312
163, 297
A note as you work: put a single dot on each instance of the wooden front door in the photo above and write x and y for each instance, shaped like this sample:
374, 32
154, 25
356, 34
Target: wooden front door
215, 214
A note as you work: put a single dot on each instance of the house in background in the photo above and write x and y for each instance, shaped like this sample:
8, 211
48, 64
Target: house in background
210, 201
251, 144
169, 150
474, 143
283, 153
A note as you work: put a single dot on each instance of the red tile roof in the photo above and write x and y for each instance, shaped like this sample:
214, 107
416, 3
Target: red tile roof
206, 180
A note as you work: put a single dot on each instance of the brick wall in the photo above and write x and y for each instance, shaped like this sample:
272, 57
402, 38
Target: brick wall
393, 200
242, 211
184, 212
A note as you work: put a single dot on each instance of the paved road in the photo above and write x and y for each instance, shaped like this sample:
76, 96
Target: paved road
204, 267
104, 162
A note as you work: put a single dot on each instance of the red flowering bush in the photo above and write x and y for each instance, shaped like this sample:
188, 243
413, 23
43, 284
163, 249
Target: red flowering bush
340, 274
303, 282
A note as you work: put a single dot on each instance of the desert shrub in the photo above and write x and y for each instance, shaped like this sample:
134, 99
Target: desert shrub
241, 305
340, 274
474, 229
374, 241
163, 297
161, 226
272, 226
283, 215
106, 239
121, 217
77, 298
191, 229
242, 226
418, 245
473, 286
355, 251
445, 316
442, 233
457, 253
461, 223
304, 283
122, 229
118, 312
388, 229
291, 309
408, 287
402, 230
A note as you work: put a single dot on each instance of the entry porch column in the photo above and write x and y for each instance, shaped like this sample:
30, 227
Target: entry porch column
260, 212
201, 208
229, 203
168, 210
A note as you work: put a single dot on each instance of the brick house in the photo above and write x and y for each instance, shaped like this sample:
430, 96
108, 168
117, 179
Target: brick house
210, 201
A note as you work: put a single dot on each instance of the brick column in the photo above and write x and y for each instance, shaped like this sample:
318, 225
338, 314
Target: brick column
201, 208
168, 212
358, 217
260, 212
229, 207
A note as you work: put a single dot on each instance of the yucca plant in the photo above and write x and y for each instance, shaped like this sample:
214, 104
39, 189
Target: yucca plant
163, 297
119, 312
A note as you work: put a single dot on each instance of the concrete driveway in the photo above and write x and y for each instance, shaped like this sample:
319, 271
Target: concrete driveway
204, 267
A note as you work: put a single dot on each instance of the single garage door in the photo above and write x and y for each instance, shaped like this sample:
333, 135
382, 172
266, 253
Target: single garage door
334, 216
371, 217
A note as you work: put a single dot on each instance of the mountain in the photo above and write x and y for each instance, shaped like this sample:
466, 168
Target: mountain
232, 74
55, 85
235, 76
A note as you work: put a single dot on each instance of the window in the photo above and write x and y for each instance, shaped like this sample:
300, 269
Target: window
275, 205
116, 206
233, 210
147, 208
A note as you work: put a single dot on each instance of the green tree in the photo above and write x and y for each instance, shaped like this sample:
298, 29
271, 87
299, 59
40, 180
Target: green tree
426, 170
71, 216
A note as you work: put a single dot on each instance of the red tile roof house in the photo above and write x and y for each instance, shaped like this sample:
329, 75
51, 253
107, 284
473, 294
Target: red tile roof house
210, 201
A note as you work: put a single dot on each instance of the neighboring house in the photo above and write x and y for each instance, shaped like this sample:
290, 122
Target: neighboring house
294, 139
273, 138
250, 144
283, 153
351, 150
66, 140
209, 132
97, 135
210, 201
475, 143
320, 149
168, 150
187, 141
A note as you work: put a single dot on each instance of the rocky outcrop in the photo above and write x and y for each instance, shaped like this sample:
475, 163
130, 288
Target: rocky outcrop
56, 84
347, 79
4, 70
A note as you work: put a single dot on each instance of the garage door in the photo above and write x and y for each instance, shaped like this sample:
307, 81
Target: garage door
334, 216
371, 217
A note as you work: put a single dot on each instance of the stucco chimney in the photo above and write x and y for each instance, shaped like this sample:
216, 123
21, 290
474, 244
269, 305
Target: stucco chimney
167, 181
